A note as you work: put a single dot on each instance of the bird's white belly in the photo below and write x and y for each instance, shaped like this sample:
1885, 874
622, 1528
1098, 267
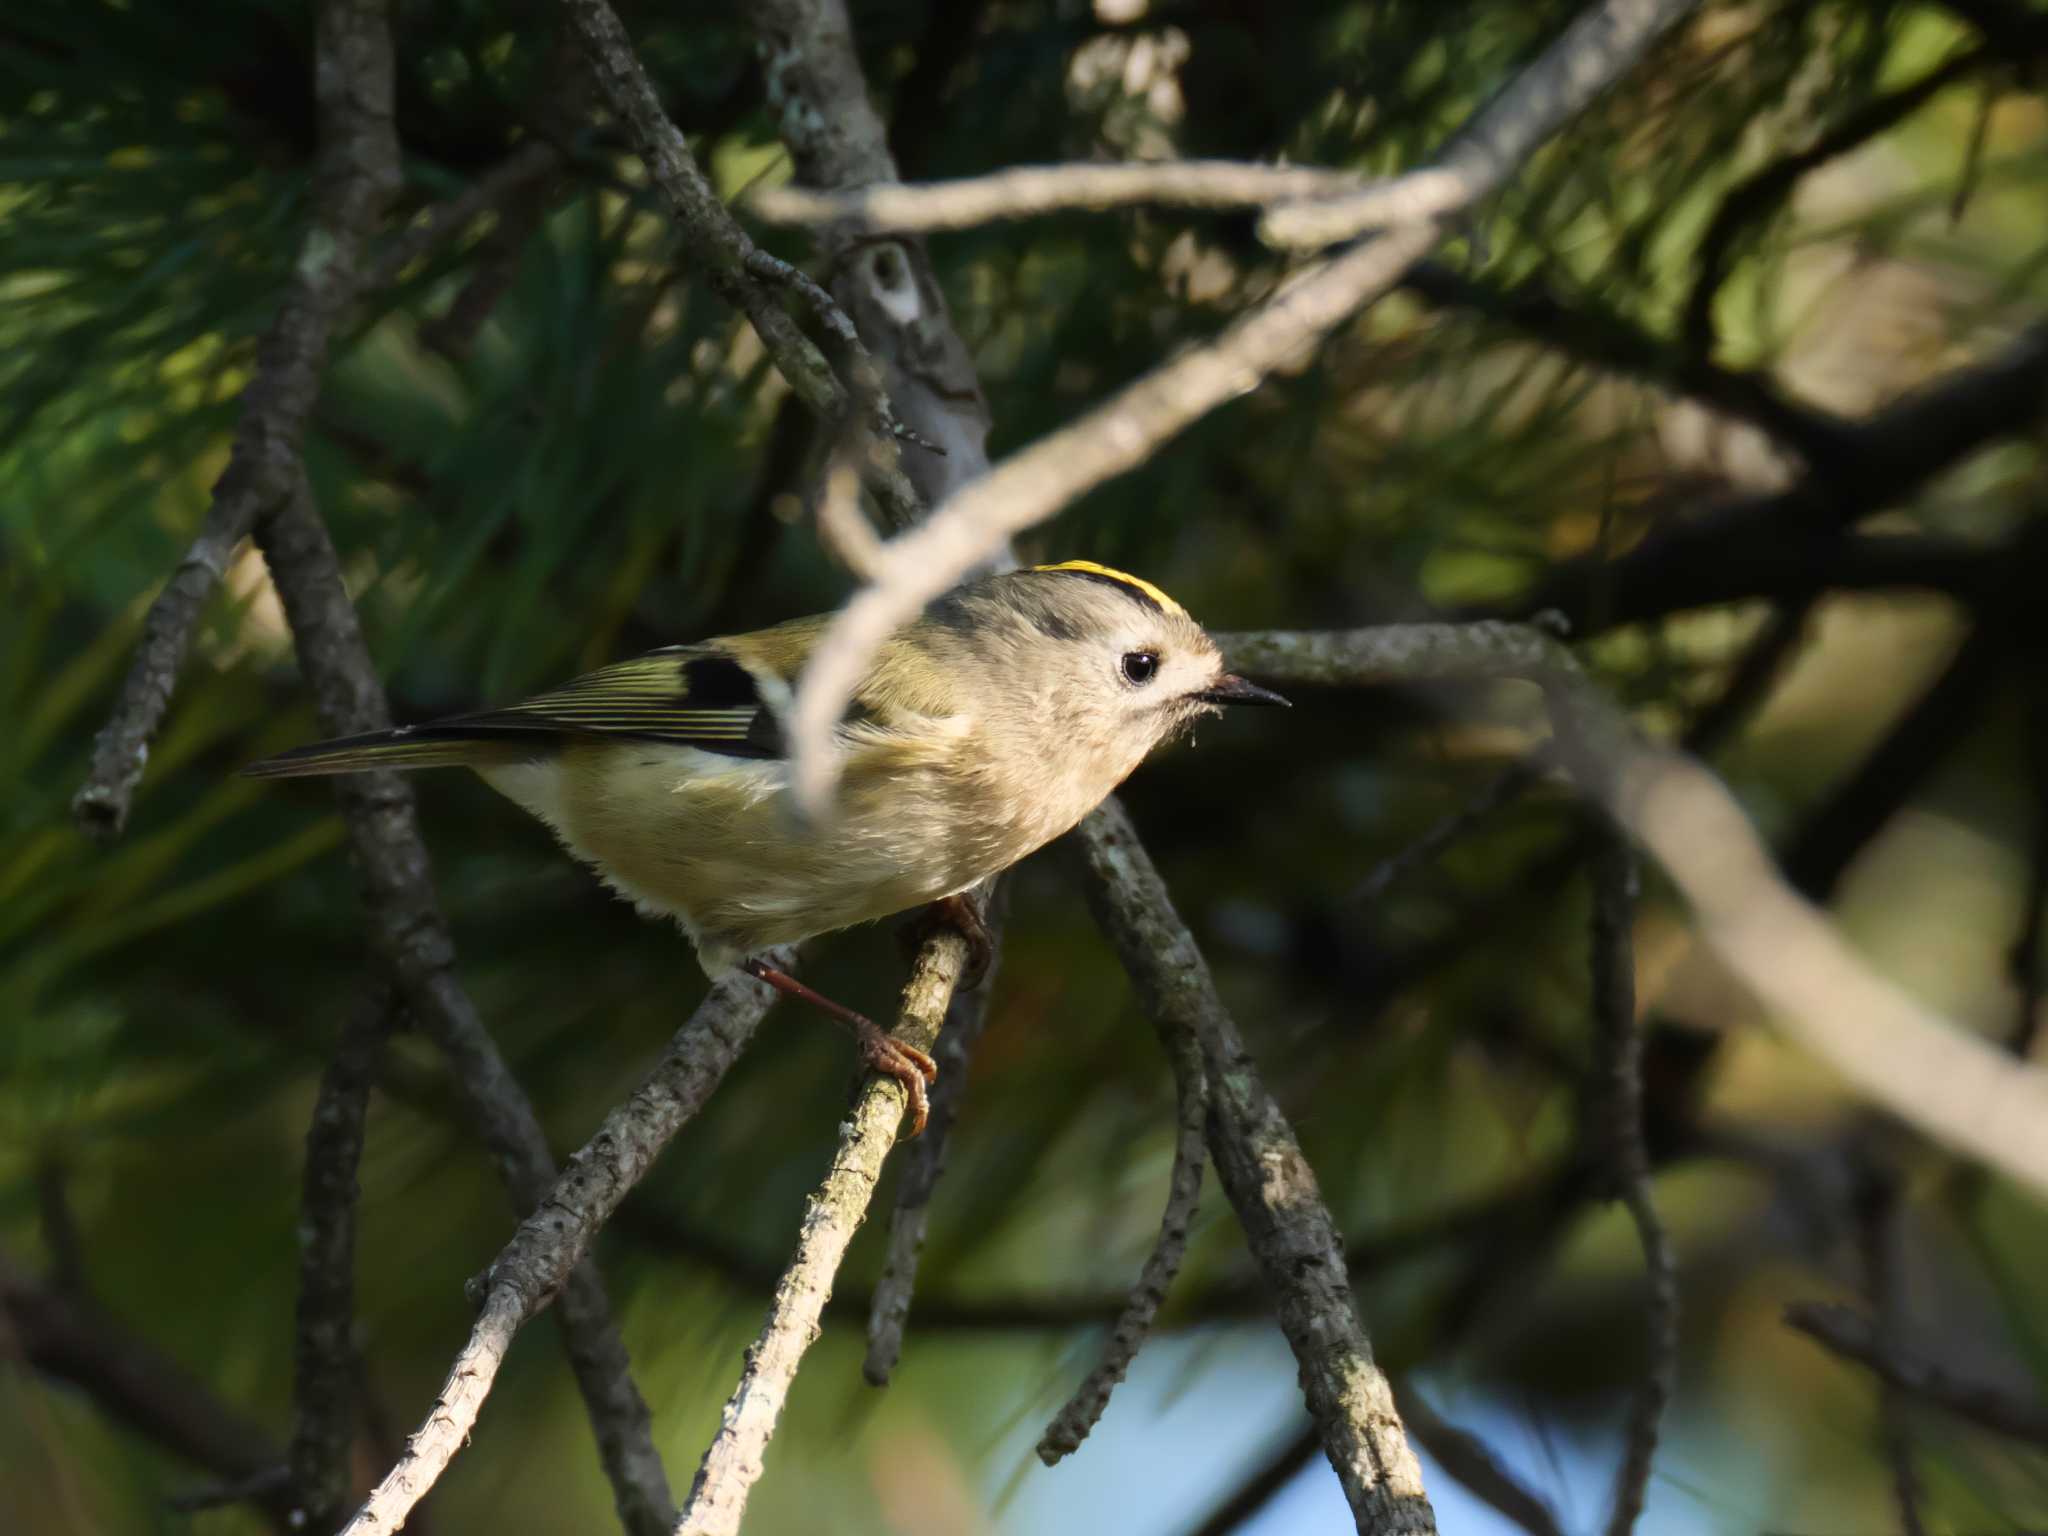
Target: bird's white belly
714, 842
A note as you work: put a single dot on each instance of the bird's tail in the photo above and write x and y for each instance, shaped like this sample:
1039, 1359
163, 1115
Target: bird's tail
409, 746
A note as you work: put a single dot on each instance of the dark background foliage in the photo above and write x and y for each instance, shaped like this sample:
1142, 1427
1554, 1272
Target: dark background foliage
1846, 198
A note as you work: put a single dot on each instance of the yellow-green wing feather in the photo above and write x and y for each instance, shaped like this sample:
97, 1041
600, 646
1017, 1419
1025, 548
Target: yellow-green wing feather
700, 695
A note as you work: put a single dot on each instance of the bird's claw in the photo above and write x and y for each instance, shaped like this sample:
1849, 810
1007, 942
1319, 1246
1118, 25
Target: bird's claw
911, 1067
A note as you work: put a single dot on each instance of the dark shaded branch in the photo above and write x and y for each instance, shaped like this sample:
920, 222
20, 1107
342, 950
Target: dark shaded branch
1850, 1334
137, 1384
1764, 543
1467, 1458
1258, 1490
1942, 1079
1619, 1043
1752, 679
1270, 1185
1876, 1206
1931, 728
1070, 1426
552, 1240
1760, 195
1588, 331
506, 183
354, 179
1510, 784
739, 272
323, 1350
2027, 959
828, 121
410, 938
545, 1257
1370, 1255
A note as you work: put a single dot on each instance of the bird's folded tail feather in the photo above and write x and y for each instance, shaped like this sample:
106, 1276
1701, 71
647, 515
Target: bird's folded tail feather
407, 747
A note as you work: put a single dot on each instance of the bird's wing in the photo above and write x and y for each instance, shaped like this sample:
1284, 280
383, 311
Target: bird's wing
697, 696
691, 695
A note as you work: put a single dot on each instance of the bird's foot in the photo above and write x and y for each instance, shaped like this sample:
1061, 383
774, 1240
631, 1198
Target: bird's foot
878, 1048
911, 1067
963, 915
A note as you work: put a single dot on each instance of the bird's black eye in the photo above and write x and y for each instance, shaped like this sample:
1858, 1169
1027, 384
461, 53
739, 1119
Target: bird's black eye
1139, 667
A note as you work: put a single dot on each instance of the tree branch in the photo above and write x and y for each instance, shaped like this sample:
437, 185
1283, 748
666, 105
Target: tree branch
411, 940
1586, 330
1031, 191
1270, 1184
1597, 49
134, 1382
1467, 1458
1758, 196
324, 1351
738, 271
1070, 1426
1855, 1337
1619, 1036
1942, 1079
355, 178
547, 1252
1876, 1205
1787, 538
732, 1464
829, 123
976, 520
923, 1161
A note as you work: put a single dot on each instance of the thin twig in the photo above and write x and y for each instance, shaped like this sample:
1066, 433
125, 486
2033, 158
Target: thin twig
1943, 1079
1510, 784
1257, 1491
1030, 191
545, 1253
1467, 1458
411, 939
324, 1351
974, 524
1596, 50
1129, 428
2027, 956
443, 221
1853, 1336
1757, 196
827, 119
1619, 1037
1373, 1255
924, 1161
356, 175
1269, 1183
1070, 1426
136, 1384
1587, 329
737, 270
1793, 537
732, 1464
1876, 1207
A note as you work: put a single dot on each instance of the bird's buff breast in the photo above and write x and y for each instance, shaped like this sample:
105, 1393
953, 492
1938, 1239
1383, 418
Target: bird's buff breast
713, 840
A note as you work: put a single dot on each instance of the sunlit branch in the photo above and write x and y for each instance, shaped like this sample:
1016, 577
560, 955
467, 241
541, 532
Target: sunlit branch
1936, 1076
732, 1464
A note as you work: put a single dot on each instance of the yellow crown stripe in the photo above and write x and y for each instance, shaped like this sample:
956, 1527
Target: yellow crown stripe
1123, 578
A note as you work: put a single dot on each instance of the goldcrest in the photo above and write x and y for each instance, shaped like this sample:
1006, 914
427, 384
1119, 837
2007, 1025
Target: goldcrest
983, 729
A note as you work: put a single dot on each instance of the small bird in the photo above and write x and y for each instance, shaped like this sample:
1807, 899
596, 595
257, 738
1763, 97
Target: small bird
985, 728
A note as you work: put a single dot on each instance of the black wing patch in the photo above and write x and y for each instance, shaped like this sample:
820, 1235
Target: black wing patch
685, 696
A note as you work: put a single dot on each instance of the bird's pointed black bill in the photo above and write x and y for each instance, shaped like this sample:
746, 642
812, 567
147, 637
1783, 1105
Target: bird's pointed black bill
1232, 689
